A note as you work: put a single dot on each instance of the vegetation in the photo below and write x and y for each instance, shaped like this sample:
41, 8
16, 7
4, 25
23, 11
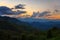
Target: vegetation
23, 31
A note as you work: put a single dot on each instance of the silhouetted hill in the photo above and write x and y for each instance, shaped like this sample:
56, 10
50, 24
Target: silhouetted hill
13, 29
8, 23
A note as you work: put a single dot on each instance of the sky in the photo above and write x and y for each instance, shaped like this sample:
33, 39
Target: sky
35, 5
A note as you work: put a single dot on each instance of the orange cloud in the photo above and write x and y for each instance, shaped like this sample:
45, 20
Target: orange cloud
53, 16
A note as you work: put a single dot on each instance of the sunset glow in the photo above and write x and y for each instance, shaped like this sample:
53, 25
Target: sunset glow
53, 17
34, 6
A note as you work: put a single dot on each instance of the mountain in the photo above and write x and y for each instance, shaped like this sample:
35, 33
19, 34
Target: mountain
13, 24
42, 24
14, 29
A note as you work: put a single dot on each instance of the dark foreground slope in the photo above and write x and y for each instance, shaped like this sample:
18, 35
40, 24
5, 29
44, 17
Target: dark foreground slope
13, 29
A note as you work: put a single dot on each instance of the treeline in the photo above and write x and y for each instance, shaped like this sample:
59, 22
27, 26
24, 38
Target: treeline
52, 34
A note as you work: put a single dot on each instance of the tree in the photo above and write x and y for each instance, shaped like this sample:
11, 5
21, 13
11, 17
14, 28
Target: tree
49, 34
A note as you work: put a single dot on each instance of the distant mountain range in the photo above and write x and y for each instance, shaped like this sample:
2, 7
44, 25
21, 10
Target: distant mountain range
42, 23
27, 23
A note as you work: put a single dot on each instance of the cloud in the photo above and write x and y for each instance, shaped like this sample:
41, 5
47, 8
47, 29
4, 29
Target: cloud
19, 12
8, 11
56, 10
5, 10
44, 13
35, 14
20, 6
41, 14
1, 13
53, 17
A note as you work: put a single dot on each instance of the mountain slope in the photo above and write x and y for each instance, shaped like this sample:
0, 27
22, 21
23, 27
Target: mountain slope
13, 29
11, 23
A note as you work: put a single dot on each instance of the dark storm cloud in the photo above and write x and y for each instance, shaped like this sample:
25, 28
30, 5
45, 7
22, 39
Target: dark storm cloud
20, 6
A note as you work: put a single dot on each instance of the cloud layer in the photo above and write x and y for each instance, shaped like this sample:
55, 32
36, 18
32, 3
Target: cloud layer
5, 11
41, 14
8, 11
19, 6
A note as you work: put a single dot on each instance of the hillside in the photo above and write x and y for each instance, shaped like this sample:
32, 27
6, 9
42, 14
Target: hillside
13, 29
